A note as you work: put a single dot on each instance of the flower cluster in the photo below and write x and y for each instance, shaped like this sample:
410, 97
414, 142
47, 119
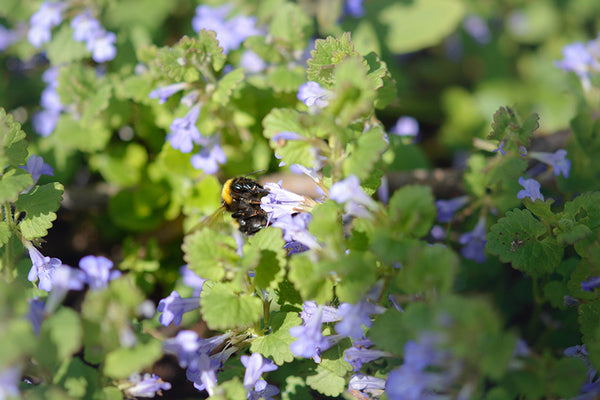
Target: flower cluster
45, 121
49, 15
99, 41
581, 58
148, 385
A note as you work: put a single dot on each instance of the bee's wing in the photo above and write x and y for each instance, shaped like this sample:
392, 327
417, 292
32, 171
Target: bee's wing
209, 220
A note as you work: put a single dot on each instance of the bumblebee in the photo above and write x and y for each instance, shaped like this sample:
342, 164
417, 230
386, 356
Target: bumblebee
241, 197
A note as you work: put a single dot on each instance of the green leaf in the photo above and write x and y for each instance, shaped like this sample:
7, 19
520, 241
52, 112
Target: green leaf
588, 316
381, 80
13, 182
13, 146
5, 233
326, 55
121, 165
356, 274
475, 179
265, 252
365, 154
62, 49
514, 238
566, 377
231, 389
209, 253
431, 268
72, 135
385, 333
412, 210
276, 343
584, 209
309, 280
39, 206
60, 337
125, 361
326, 382
326, 225
414, 25
503, 118
509, 168
353, 93
540, 209
222, 308
139, 208
226, 86
291, 24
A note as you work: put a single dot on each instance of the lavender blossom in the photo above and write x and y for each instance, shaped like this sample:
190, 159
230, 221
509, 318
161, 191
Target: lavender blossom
405, 126
43, 20
255, 365
42, 267
577, 58
230, 32
560, 164
368, 385
359, 354
446, 208
7, 37
314, 96
187, 346
173, 307
191, 279
295, 247
262, 390
209, 158
280, 202
295, 229
37, 167
501, 148
36, 314
252, 63
204, 373
164, 92
591, 385
354, 8
65, 278
85, 27
327, 313
45, 121
590, 284
103, 47
9, 382
311, 342
354, 316
184, 132
146, 386
532, 189
477, 28
474, 243
355, 200
98, 271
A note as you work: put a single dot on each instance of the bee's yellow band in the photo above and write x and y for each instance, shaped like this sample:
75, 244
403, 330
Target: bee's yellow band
226, 192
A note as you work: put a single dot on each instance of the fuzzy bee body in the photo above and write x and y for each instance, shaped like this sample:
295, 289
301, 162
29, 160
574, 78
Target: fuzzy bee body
241, 196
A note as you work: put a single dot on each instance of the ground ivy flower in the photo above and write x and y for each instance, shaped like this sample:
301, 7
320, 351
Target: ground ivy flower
311, 342
474, 243
103, 47
252, 63
405, 126
560, 164
45, 121
98, 271
204, 373
255, 365
577, 58
7, 37
281, 202
42, 267
295, 229
501, 148
477, 28
354, 8
354, 316
187, 346
36, 314
590, 284
327, 313
65, 278
184, 132
262, 390
230, 32
295, 247
359, 353
191, 279
209, 158
9, 382
355, 200
164, 92
173, 307
447, 208
313, 95
148, 385
365, 384
37, 167
43, 20
85, 26
591, 385
532, 189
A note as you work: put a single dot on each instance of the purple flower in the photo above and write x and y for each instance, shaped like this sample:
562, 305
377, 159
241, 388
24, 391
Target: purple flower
37, 167
42, 268
280, 202
255, 365
311, 342
209, 158
7, 37
313, 95
146, 386
45, 121
532, 189
187, 346
590, 284
295, 229
446, 208
184, 132
405, 126
36, 314
191, 279
523, 150
65, 278
173, 307
365, 384
349, 193
230, 33
477, 28
103, 47
43, 20
295, 247
98, 271
262, 390
164, 92
85, 27
9, 382
591, 385
474, 243
560, 164
360, 353
204, 373
354, 316
501, 148
327, 313
286, 135
252, 63
578, 59
354, 8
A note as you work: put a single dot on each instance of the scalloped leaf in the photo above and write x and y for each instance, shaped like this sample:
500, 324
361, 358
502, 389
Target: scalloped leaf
412, 210
326, 55
514, 238
13, 182
226, 86
502, 119
276, 344
365, 153
223, 308
291, 23
209, 253
39, 206
13, 146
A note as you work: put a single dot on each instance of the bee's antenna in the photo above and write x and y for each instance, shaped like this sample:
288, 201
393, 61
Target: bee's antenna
255, 172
